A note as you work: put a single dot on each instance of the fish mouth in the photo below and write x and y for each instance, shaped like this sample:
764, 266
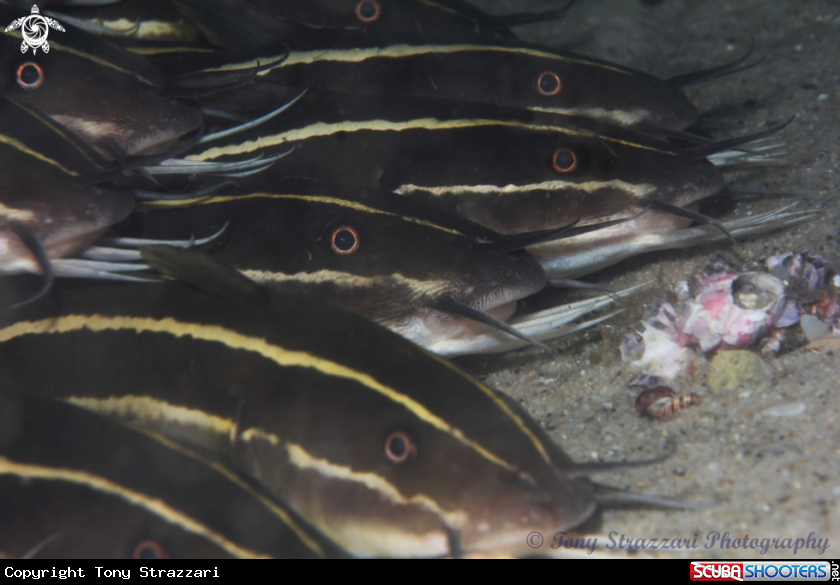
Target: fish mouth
432, 323
537, 530
514, 522
519, 276
428, 327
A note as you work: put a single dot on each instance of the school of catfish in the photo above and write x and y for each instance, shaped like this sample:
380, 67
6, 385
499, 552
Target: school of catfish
238, 240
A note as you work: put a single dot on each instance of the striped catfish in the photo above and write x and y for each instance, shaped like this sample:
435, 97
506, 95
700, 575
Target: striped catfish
387, 449
59, 195
45, 214
74, 484
499, 74
510, 170
440, 148
438, 280
114, 100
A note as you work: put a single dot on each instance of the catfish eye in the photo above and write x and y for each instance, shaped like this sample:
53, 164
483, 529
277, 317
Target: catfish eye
344, 240
548, 83
564, 160
399, 447
368, 11
148, 550
29, 76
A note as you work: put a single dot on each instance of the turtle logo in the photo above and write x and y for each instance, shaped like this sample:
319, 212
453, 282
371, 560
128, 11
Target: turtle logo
35, 29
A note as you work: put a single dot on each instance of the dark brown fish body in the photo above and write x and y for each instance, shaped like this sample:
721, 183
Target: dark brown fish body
67, 521
63, 218
429, 64
500, 74
511, 171
495, 167
388, 259
39, 167
102, 490
385, 448
110, 98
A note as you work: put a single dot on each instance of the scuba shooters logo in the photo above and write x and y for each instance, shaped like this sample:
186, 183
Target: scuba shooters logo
35, 28
760, 571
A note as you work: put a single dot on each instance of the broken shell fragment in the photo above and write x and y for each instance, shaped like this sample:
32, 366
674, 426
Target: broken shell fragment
661, 348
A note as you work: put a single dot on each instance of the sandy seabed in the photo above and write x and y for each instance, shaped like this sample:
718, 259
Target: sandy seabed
770, 477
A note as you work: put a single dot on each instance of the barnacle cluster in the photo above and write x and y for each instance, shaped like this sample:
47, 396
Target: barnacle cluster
721, 307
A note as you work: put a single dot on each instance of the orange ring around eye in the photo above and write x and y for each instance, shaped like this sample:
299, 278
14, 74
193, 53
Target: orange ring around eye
29, 86
560, 168
376, 8
549, 77
149, 544
394, 452
336, 246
